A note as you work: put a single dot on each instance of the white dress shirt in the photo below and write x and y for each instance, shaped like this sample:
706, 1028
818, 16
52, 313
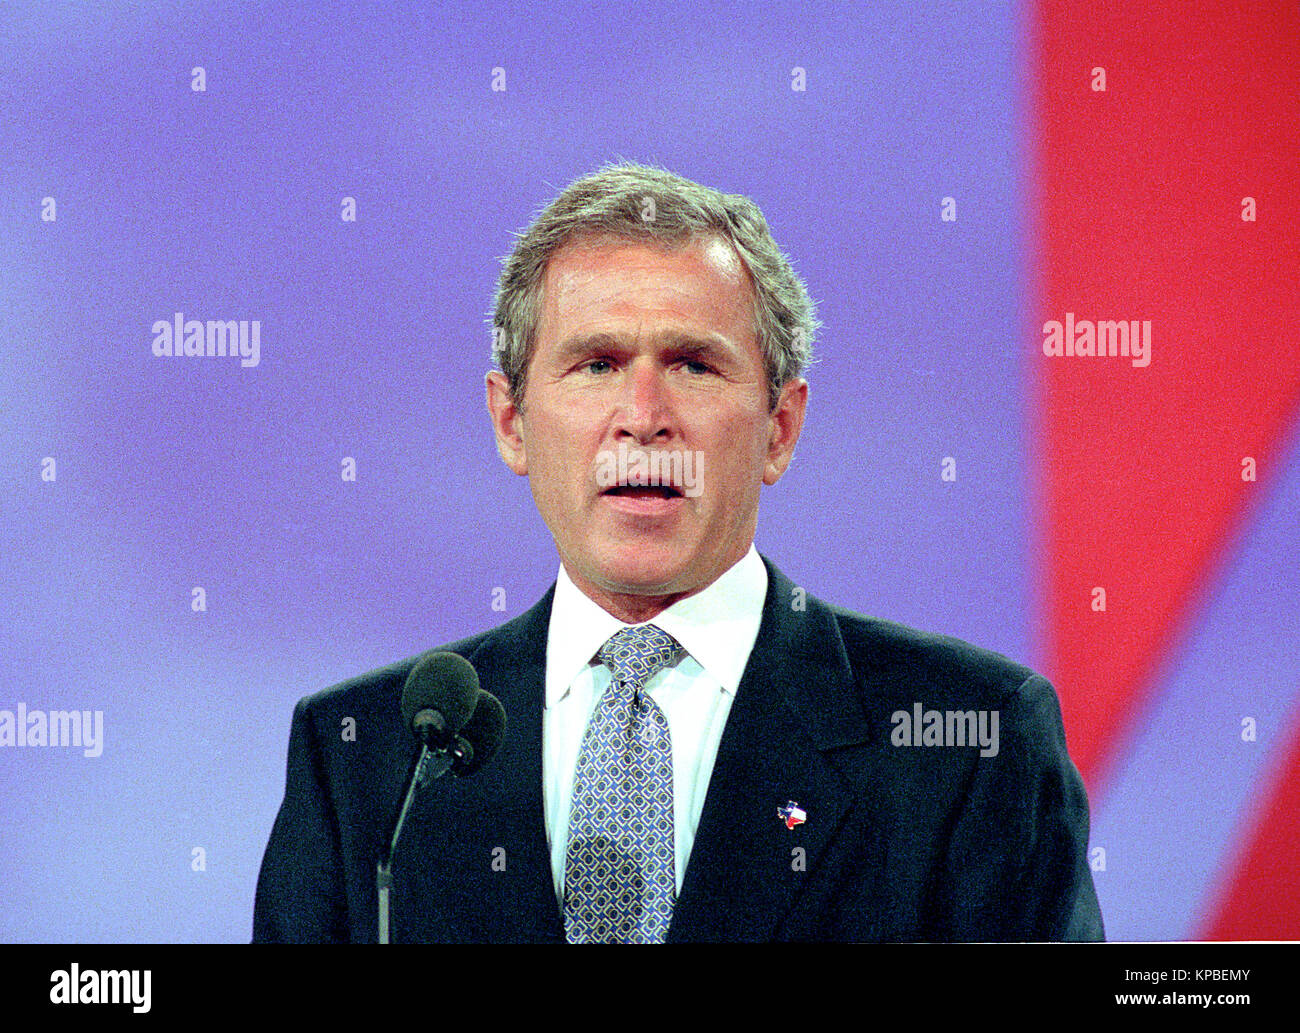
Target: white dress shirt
717, 628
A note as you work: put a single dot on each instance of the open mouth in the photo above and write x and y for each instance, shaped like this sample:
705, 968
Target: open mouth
648, 491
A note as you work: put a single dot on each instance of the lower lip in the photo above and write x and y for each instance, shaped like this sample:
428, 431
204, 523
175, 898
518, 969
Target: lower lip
644, 505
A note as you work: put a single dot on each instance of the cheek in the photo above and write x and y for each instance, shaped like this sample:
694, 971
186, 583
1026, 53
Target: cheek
556, 466
739, 455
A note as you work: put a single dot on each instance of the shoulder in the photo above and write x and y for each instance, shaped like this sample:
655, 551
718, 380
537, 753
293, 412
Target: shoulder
899, 670
888, 659
380, 690
884, 653
885, 667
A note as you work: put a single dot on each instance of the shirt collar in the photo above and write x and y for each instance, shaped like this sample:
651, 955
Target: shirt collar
716, 626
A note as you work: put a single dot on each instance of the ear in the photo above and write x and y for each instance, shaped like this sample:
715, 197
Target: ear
507, 423
786, 423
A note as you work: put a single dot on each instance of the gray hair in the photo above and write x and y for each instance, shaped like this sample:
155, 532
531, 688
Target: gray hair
641, 202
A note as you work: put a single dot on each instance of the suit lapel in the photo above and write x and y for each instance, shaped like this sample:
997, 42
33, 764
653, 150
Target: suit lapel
795, 700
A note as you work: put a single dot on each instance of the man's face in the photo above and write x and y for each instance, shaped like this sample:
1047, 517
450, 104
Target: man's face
643, 349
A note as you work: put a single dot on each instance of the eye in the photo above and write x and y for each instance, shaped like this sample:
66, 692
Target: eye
696, 366
596, 366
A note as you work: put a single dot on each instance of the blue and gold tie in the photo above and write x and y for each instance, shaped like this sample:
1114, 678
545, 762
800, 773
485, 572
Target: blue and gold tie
619, 867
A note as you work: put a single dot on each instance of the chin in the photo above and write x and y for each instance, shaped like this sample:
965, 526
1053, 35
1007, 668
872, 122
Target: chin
647, 571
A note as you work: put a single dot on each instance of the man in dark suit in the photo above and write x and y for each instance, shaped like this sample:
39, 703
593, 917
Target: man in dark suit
697, 748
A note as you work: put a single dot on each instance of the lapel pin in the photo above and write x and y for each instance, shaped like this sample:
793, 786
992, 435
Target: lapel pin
792, 814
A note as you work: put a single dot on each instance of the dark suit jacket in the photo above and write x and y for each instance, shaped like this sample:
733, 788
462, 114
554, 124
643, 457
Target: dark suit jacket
900, 843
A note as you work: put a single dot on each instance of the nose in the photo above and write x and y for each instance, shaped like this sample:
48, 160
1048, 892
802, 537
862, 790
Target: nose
644, 410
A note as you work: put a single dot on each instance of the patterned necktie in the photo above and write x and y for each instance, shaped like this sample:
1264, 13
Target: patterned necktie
619, 869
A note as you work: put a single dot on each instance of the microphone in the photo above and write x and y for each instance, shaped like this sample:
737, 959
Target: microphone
458, 727
481, 736
439, 697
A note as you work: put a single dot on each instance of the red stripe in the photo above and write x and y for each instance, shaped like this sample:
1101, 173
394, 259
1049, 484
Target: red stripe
1140, 200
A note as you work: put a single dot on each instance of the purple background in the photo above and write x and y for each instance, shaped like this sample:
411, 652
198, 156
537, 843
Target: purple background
225, 205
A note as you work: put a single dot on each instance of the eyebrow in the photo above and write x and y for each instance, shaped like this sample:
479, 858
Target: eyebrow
683, 344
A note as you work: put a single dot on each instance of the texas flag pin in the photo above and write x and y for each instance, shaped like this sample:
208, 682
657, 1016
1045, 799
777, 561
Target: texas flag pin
792, 814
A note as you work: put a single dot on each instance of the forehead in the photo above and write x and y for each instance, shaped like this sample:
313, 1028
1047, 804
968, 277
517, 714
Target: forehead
602, 281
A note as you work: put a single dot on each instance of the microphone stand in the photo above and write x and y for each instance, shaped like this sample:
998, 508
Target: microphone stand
427, 766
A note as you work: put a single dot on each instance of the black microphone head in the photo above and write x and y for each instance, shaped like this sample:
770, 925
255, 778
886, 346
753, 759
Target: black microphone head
483, 731
439, 696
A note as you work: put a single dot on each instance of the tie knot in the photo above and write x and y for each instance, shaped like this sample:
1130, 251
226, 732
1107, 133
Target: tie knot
635, 654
